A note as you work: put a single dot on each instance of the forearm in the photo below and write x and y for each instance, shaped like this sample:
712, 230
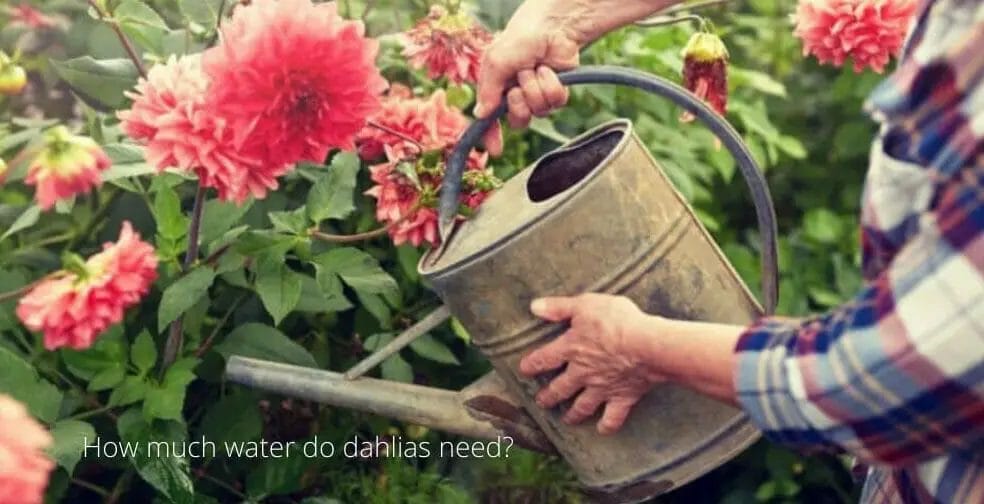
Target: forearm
698, 355
589, 20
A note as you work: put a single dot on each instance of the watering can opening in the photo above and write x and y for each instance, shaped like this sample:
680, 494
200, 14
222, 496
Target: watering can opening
563, 169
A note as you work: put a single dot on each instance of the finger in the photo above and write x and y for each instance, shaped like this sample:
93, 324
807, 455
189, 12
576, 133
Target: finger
535, 100
519, 112
554, 309
554, 92
616, 412
546, 358
497, 70
560, 389
584, 406
493, 139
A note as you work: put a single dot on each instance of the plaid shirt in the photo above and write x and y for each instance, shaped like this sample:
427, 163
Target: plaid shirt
895, 376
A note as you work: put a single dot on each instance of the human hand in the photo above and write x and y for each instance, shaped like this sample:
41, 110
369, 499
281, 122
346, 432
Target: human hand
608, 352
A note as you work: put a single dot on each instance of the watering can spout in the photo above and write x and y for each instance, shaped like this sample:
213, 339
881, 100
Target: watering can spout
484, 410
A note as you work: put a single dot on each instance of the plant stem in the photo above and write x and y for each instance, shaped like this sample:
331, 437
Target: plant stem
174, 337
218, 23
95, 220
207, 344
91, 487
127, 45
91, 413
333, 238
391, 131
223, 484
661, 20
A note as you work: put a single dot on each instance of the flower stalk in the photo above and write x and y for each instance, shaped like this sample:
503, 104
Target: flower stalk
175, 335
127, 45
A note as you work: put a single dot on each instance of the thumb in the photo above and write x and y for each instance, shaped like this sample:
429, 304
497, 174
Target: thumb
554, 309
493, 139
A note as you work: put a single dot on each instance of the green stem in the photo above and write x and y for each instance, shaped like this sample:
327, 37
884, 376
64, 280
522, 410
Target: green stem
172, 347
127, 45
223, 485
95, 220
91, 487
218, 326
90, 413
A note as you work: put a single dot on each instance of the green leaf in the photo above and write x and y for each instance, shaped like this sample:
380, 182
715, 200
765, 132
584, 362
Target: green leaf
70, 438
822, 225
277, 476
100, 83
460, 331
181, 373
164, 402
109, 351
292, 222
278, 286
315, 300
219, 216
760, 81
164, 471
183, 294
143, 353
128, 161
375, 305
397, 369
331, 197
429, 348
546, 128
108, 378
171, 223
357, 269
142, 24
791, 146
133, 389
235, 418
20, 380
264, 342
204, 13
27, 218
254, 243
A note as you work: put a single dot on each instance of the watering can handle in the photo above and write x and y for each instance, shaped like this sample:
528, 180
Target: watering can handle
617, 75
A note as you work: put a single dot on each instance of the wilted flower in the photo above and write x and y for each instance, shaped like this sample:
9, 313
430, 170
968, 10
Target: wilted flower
73, 307
447, 44
869, 31
67, 165
27, 16
292, 80
24, 467
431, 123
169, 115
705, 71
13, 77
406, 193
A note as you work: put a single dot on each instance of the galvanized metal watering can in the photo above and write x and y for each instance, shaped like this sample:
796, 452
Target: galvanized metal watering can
596, 215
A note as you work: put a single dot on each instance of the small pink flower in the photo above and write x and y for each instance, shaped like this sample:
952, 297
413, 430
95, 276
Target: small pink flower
72, 308
25, 15
869, 31
169, 116
448, 45
67, 165
292, 80
24, 467
432, 123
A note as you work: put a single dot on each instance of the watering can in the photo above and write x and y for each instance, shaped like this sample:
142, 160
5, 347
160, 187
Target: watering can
596, 215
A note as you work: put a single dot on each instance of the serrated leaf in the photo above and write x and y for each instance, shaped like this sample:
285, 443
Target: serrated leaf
397, 369
133, 389
264, 342
357, 269
100, 83
219, 216
142, 24
18, 379
164, 402
107, 378
316, 300
235, 418
26, 219
331, 197
278, 286
429, 348
204, 13
377, 307
183, 294
109, 351
164, 471
143, 353
171, 223
69, 440
293, 222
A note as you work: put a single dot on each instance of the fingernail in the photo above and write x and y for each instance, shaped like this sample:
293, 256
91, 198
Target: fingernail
538, 306
479, 110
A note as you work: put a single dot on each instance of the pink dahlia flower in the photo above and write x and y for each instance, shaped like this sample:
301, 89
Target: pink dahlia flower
169, 116
72, 308
430, 122
27, 16
293, 80
67, 165
447, 45
869, 31
24, 467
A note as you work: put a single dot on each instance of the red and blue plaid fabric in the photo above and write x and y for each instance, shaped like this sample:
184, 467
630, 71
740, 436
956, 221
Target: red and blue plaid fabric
895, 376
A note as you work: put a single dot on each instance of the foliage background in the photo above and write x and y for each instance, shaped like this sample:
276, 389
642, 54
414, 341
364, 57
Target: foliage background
325, 306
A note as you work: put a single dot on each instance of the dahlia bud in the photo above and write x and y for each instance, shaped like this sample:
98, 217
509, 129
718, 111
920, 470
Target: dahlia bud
67, 165
705, 71
482, 180
13, 77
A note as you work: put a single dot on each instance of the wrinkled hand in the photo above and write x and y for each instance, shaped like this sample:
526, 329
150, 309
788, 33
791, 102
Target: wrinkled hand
608, 352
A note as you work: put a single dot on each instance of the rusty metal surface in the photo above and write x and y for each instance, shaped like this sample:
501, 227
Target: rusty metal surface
616, 225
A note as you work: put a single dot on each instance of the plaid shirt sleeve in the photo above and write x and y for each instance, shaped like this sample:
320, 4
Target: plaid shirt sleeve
896, 375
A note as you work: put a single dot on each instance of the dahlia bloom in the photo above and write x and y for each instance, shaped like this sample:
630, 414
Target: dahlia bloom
407, 193
869, 31
27, 16
169, 116
430, 122
448, 45
72, 308
705, 71
292, 80
24, 466
67, 165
